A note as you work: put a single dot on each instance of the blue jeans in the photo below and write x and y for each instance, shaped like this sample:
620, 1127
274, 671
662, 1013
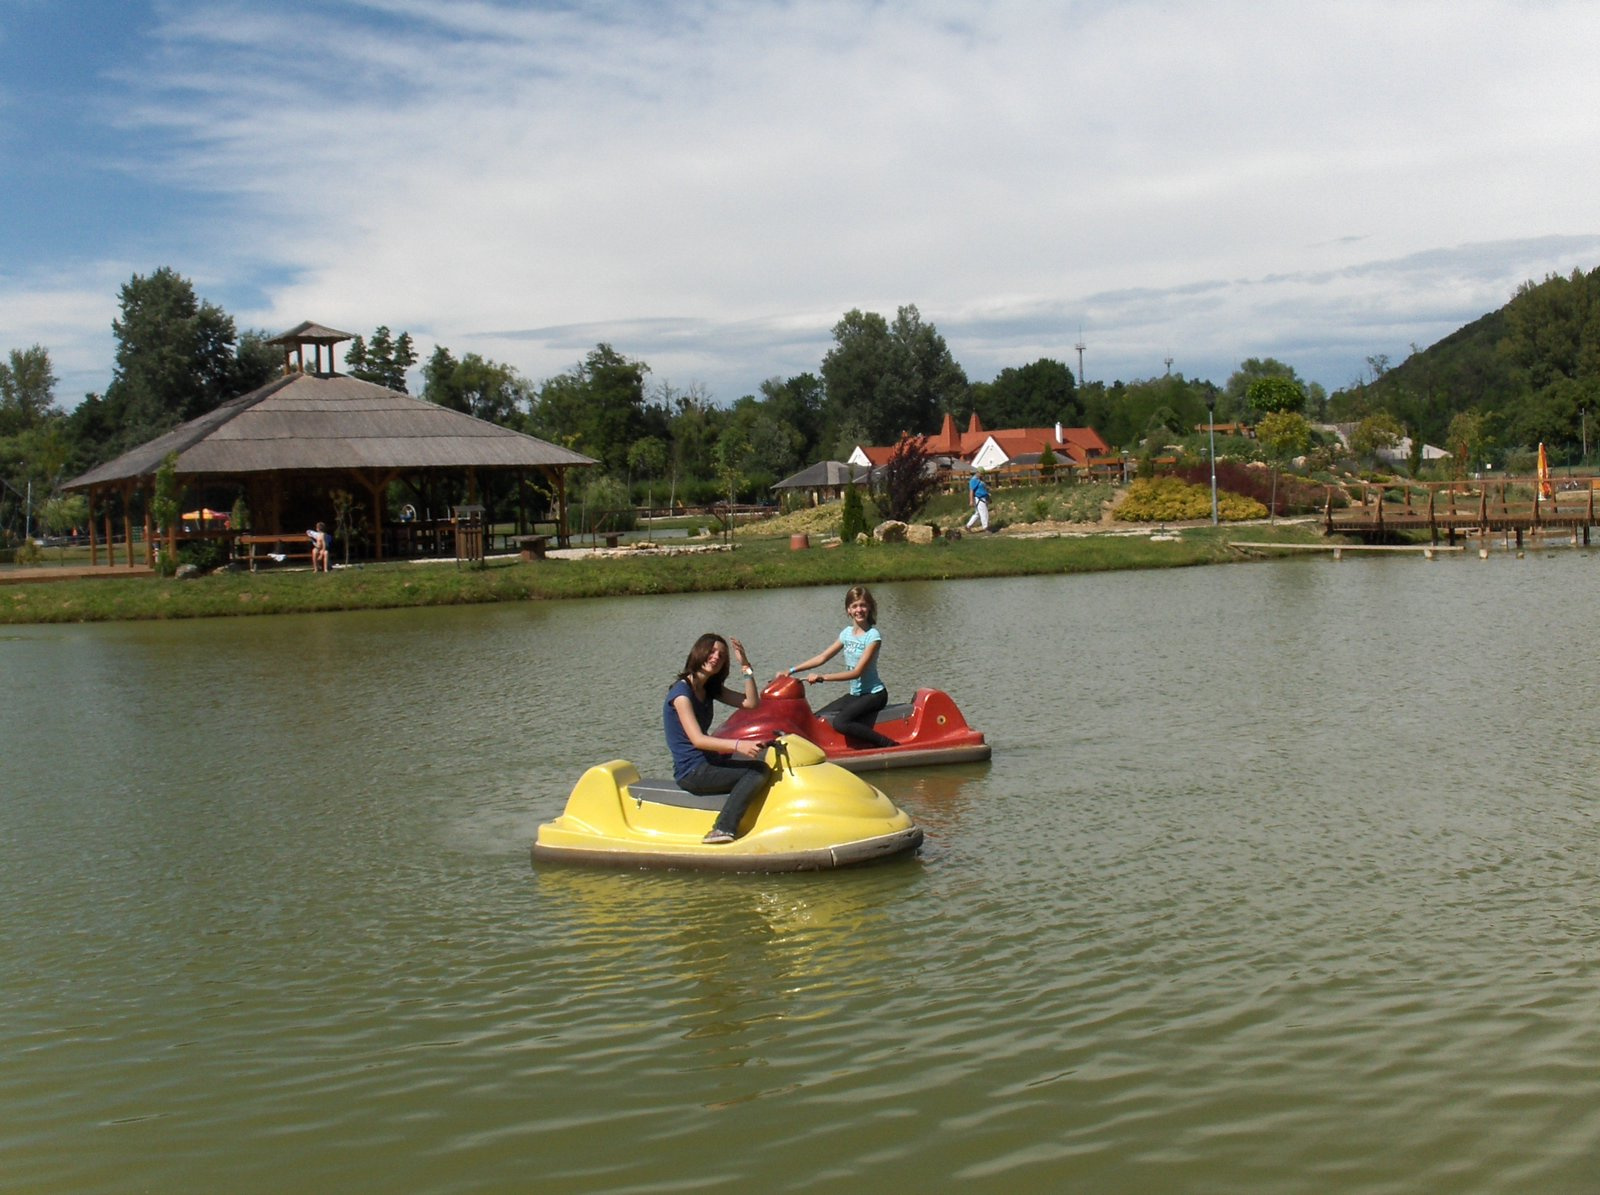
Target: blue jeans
741, 779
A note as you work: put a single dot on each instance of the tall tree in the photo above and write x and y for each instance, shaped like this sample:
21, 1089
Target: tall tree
1284, 434
383, 360
27, 389
176, 358
476, 386
597, 407
890, 379
1275, 394
798, 402
1035, 395
1251, 370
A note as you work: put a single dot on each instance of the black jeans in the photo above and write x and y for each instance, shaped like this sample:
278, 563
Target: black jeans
741, 779
853, 716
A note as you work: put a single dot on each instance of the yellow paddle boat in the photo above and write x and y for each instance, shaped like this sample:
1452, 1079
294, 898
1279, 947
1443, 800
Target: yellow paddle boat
813, 815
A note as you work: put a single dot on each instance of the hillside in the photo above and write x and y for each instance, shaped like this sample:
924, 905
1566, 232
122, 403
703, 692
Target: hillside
1532, 368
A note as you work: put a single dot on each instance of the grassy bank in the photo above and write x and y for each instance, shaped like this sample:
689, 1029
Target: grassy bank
758, 562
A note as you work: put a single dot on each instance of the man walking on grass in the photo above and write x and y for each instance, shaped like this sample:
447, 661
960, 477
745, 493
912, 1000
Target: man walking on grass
980, 499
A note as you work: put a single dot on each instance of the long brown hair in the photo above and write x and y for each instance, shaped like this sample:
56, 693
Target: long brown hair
865, 594
699, 654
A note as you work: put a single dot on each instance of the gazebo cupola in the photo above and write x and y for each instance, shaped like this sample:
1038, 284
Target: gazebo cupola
294, 343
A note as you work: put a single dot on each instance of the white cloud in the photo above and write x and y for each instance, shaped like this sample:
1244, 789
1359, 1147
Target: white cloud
708, 186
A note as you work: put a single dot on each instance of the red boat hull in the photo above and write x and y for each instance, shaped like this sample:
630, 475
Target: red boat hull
929, 730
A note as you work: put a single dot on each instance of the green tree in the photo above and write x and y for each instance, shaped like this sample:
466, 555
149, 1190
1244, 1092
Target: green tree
853, 515
597, 407
1374, 434
692, 430
27, 389
1231, 401
177, 358
891, 379
384, 360
476, 386
1275, 394
1469, 441
798, 402
1284, 434
1036, 395
772, 445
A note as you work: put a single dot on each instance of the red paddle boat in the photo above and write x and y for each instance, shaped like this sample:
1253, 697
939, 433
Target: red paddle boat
927, 730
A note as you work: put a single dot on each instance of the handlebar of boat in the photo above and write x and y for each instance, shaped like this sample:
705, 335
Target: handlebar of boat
781, 748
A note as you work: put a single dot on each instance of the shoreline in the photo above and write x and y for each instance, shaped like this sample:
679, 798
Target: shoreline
751, 562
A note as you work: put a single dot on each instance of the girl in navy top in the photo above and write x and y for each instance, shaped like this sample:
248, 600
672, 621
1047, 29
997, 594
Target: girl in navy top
854, 714
700, 763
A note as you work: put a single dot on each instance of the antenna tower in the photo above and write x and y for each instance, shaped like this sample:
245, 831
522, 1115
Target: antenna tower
1168, 360
1080, 346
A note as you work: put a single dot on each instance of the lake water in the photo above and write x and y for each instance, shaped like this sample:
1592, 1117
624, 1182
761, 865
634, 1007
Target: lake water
1282, 879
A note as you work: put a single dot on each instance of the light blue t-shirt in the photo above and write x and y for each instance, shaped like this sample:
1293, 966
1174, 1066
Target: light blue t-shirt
854, 645
980, 492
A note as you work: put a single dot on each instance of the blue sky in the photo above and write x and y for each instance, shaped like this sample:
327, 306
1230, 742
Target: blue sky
708, 185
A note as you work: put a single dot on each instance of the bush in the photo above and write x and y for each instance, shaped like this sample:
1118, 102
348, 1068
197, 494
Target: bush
1171, 499
604, 506
204, 554
1296, 495
1078, 503
854, 520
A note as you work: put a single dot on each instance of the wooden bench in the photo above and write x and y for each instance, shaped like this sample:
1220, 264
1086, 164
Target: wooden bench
251, 542
532, 547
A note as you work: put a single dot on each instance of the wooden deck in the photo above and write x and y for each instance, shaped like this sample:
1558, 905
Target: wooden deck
1510, 507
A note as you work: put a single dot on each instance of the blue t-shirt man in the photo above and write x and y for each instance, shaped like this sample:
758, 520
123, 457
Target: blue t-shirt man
980, 499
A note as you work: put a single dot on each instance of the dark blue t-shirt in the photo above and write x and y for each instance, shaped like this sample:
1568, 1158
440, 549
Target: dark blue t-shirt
686, 757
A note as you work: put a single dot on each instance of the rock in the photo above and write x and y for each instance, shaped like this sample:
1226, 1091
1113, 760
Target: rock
890, 531
921, 533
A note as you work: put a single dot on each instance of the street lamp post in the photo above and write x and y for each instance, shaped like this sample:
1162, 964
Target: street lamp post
1211, 426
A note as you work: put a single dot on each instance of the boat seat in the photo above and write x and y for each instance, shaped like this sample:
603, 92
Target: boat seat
666, 792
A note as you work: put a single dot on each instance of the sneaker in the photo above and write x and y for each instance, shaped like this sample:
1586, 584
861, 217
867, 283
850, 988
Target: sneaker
717, 838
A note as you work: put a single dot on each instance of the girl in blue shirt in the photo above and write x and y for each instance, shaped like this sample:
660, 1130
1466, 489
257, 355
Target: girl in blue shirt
854, 714
700, 763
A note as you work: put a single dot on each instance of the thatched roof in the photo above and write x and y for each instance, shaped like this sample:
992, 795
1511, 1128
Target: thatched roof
306, 332
823, 474
308, 421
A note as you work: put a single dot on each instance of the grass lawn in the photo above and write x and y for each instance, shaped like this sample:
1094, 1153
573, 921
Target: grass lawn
758, 561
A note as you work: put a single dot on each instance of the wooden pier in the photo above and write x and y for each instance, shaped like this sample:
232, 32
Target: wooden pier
1509, 507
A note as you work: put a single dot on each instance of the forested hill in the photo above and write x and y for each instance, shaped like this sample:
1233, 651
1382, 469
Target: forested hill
1531, 370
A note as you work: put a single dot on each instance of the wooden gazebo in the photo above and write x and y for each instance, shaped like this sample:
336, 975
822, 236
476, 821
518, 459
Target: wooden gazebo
317, 431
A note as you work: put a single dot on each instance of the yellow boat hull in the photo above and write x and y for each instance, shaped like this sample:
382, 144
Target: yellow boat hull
813, 816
